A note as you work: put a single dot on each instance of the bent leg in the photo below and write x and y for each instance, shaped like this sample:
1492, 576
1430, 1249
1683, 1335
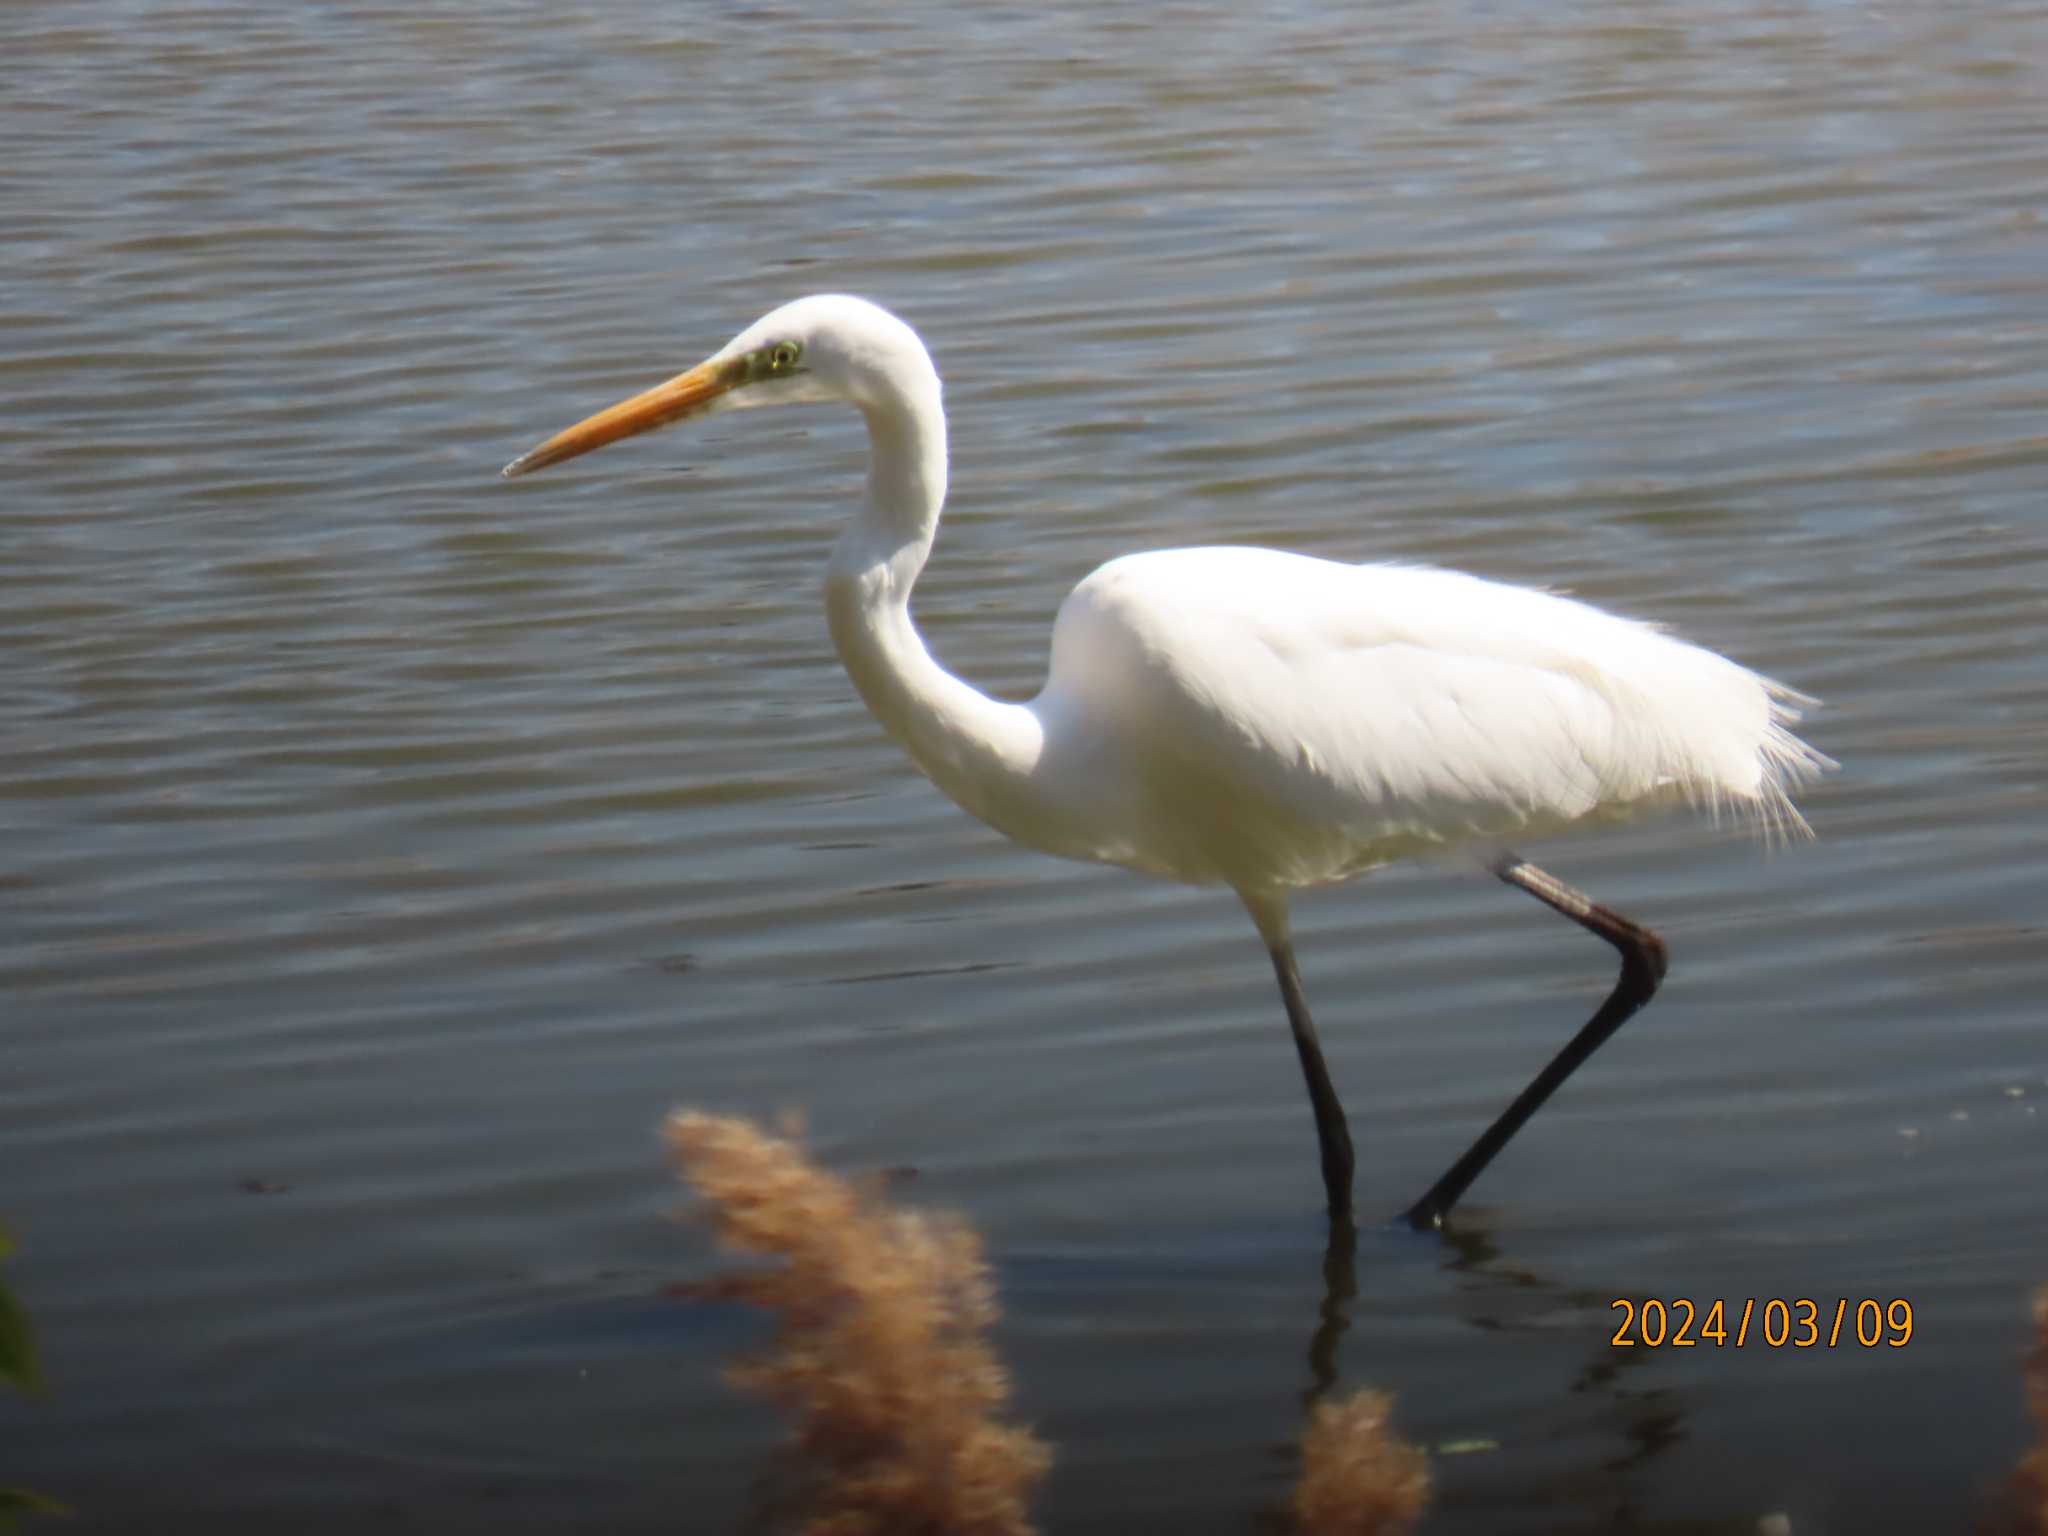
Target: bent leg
1643, 962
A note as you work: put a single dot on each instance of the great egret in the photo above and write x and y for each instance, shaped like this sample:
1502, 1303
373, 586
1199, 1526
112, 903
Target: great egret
1255, 719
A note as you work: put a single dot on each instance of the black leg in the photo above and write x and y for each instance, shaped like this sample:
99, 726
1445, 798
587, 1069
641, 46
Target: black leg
1331, 1130
1642, 967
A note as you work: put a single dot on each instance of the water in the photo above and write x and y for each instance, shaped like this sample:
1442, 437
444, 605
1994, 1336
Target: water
387, 849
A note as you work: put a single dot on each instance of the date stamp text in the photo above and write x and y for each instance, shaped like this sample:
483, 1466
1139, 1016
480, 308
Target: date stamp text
1775, 1322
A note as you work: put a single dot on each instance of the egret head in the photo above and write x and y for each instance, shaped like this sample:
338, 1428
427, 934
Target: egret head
829, 346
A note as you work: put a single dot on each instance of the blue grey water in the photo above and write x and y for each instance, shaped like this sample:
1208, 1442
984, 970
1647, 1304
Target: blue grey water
384, 849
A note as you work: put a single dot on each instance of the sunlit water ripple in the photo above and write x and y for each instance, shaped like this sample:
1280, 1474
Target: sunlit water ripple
400, 845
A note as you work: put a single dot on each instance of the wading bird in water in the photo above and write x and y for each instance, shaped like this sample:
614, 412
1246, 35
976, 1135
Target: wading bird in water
1260, 720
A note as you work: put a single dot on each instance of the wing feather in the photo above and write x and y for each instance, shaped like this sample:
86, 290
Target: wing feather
1404, 706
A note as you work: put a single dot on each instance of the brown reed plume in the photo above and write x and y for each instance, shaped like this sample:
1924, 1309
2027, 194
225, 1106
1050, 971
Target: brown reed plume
2032, 1476
880, 1352
1358, 1478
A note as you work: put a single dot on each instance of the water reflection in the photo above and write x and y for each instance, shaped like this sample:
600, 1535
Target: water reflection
1340, 1290
1498, 1297
349, 804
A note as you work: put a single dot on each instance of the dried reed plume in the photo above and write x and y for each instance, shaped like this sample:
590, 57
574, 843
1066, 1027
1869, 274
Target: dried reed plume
1358, 1478
2032, 1476
879, 1353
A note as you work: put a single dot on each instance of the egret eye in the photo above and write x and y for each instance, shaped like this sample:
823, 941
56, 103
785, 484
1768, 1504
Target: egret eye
782, 356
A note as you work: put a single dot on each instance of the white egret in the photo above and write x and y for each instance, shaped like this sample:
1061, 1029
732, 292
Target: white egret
1260, 720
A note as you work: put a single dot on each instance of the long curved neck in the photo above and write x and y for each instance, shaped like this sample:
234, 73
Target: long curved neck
980, 751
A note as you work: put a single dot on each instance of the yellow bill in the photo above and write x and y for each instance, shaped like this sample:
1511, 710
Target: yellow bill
683, 395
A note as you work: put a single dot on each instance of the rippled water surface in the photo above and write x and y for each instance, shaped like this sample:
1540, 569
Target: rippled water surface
387, 848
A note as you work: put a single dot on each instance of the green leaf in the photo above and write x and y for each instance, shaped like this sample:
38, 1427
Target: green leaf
17, 1346
26, 1501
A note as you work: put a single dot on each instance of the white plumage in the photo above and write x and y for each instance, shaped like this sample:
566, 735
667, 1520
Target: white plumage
1342, 716
1252, 718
